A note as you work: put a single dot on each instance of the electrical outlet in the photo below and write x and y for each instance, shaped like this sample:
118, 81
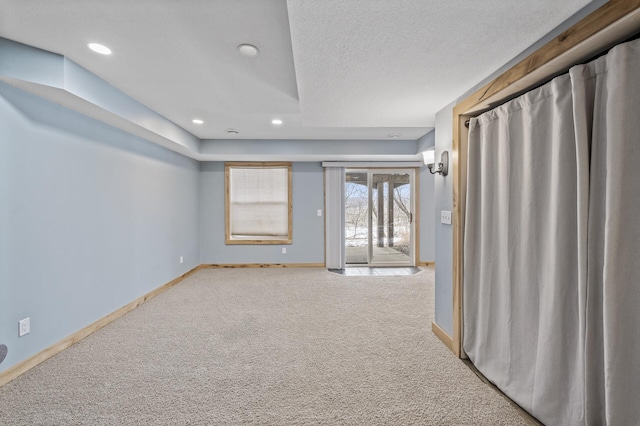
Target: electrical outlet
284, 250
181, 259
24, 327
445, 217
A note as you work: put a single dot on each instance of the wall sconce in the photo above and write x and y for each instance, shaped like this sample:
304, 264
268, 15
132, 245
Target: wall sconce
443, 165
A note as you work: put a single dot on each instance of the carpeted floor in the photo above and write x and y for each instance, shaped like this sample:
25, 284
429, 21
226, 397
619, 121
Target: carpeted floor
263, 346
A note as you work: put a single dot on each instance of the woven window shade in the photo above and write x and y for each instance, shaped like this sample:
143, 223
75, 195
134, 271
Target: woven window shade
259, 202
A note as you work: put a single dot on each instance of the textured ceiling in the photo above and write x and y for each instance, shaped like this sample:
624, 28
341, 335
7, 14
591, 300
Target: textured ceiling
362, 62
331, 69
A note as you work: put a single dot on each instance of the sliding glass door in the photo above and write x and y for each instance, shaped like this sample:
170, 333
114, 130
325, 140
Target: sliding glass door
379, 228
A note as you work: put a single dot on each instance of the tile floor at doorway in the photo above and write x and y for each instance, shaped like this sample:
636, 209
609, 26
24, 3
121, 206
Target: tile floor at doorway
363, 271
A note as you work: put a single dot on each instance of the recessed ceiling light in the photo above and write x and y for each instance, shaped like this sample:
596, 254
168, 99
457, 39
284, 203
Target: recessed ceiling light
276, 121
394, 135
99, 48
232, 131
197, 121
248, 50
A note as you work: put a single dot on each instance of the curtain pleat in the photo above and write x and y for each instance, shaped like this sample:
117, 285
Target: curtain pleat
552, 230
613, 270
335, 254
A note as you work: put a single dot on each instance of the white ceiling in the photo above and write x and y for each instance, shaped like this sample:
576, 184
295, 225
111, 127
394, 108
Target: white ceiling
330, 69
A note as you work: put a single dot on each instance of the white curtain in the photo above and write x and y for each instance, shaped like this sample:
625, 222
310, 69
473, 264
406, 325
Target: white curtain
334, 216
552, 238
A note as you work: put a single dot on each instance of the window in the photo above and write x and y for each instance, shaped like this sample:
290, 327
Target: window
258, 203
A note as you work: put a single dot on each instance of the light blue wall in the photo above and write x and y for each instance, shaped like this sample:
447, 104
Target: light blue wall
308, 228
443, 187
90, 219
427, 206
311, 150
57, 78
31, 64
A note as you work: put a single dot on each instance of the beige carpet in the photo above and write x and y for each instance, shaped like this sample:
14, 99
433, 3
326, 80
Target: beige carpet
281, 347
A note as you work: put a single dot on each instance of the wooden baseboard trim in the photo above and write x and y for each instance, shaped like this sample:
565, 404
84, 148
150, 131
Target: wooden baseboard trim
426, 264
22, 367
263, 265
442, 335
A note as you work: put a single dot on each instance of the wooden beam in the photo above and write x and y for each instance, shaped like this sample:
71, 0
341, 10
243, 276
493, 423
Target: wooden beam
390, 215
394, 178
459, 164
622, 12
361, 178
380, 188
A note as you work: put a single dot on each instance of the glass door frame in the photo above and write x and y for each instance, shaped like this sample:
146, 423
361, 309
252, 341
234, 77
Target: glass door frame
413, 216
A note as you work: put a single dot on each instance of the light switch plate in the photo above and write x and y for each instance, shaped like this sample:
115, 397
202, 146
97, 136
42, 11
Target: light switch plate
445, 217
